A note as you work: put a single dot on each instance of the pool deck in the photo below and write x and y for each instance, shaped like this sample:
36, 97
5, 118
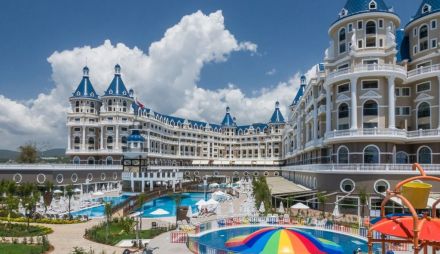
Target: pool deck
164, 246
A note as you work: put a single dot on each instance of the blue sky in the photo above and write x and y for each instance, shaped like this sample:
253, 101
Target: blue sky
33, 30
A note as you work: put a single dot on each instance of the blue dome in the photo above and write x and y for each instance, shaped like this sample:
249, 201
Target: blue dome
135, 137
353, 7
85, 88
427, 7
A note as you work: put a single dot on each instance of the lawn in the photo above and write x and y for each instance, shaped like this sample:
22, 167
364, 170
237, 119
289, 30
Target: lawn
117, 233
20, 230
19, 248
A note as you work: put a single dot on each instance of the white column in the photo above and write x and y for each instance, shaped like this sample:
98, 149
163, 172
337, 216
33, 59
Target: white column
353, 89
102, 138
151, 185
69, 138
438, 102
117, 137
328, 111
299, 131
131, 182
315, 120
143, 181
391, 103
84, 138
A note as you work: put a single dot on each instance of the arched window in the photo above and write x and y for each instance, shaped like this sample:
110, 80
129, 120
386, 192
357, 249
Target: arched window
371, 27
91, 160
91, 141
424, 155
110, 102
424, 116
109, 140
76, 160
343, 113
124, 103
402, 158
423, 38
343, 155
371, 155
92, 104
77, 140
370, 109
423, 32
77, 104
342, 39
373, 5
109, 160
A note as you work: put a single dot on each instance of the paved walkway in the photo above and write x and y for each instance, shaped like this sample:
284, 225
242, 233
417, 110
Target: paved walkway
162, 242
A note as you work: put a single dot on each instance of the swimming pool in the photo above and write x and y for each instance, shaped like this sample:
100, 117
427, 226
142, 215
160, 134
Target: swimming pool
214, 242
167, 203
98, 211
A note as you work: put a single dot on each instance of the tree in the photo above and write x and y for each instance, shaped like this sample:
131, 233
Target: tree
108, 215
11, 200
48, 194
29, 199
363, 200
140, 200
69, 193
28, 154
322, 199
177, 197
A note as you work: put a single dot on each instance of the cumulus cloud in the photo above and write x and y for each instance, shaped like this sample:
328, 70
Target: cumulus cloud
164, 78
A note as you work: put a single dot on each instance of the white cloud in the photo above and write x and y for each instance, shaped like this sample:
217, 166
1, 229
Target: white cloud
164, 78
271, 72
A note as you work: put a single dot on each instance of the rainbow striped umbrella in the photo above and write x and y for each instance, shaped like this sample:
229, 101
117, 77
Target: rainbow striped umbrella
282, 241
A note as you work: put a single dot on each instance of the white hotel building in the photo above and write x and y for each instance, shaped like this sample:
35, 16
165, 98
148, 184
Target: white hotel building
371, 110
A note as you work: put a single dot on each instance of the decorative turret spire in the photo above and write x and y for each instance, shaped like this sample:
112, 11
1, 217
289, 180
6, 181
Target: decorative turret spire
117, 86
228, 120
85, 88
117, 69
303, 80
85, 71
277, 117
353, 7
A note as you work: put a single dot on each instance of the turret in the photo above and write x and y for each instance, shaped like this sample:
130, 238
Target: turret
85, 99
117, 98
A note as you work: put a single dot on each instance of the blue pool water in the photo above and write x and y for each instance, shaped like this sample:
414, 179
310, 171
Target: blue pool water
217, 239
167, 203
98, 211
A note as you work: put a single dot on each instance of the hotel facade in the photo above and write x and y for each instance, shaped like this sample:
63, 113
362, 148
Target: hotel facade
371, 110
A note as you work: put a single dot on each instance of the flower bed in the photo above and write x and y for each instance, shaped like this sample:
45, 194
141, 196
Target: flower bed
42, 220
22, 230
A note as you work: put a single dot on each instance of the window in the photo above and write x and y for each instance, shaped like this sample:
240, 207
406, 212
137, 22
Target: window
371, 155
415, 50
423, 38
370, 27
77, 140
370, 84
343, 155
343, 88
434, 43
370, 108
403, 91
423, 116
372, 5
381, 186
403, 111
402, 158
424, 155
343, 110
350, 27
360, 44
380, 23
433, 24
370, 61
370, 42
424, 87
360, 24
347, 185
109, 160
426, 8
342, 38
342, 67
415, 32
76, 160
109, 140
381, 43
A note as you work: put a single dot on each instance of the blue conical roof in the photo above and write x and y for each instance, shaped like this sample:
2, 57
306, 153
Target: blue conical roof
353, 7
277, 117
427, 7
117, 86
228, 121
85, 88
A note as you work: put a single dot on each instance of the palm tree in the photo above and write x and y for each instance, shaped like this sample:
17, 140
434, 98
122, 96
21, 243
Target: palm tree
363, 199
140, 200
69, 193
108, 215
322, 199
48, 194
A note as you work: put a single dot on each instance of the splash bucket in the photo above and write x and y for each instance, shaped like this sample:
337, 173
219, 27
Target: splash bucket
417, 193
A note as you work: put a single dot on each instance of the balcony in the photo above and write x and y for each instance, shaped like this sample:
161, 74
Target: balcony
370, 168
374, 69
313, 143
367, 134
423, 72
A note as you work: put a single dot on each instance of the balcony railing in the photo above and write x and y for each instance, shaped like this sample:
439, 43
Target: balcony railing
366, 132
360, 167
423, 70
368, 68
